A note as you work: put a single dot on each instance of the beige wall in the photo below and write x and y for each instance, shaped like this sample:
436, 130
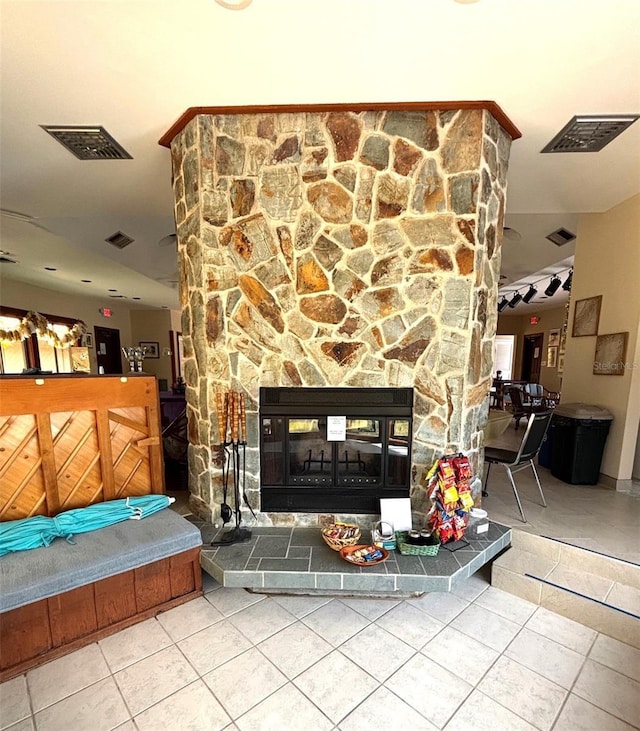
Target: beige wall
154, 326
520, 326
607, 263
27, 297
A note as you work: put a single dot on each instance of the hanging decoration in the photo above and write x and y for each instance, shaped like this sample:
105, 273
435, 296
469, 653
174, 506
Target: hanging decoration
34, 322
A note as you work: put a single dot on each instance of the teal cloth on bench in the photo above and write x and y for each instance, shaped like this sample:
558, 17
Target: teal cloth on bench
40, 530
29, 576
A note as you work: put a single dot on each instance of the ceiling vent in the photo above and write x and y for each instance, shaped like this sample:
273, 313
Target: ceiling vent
6, 260
560, 237
119, 240
589, 133
88, 143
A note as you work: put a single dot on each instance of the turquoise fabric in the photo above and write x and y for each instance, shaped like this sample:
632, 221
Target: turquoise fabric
27, 533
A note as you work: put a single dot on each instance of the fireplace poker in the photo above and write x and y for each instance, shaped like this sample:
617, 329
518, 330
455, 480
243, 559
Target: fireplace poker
243, 426
237, 534
222, 414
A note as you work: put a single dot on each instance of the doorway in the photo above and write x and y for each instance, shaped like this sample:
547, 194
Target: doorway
532, 358
108, 353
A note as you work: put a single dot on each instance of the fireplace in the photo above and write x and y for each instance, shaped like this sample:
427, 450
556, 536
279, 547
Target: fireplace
334, 450
333, 247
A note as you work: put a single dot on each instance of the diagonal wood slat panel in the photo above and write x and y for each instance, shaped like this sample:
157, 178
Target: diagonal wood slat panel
22, 488
52, 458
131, 468
77, 458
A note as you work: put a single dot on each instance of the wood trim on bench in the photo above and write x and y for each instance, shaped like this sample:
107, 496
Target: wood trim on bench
37, 633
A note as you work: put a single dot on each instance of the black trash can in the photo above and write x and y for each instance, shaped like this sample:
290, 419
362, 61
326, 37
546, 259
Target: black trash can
577, 439
544, 455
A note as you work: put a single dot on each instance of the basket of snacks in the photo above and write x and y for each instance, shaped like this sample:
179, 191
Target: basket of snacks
339, 535
362, 555
417, 543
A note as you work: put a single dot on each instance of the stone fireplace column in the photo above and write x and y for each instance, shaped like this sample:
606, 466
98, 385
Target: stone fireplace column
339, 245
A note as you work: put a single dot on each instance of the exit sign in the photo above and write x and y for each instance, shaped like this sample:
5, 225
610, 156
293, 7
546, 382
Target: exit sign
105, 312
534, 320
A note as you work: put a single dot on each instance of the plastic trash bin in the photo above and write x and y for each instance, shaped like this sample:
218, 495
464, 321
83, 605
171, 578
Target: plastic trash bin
578, 435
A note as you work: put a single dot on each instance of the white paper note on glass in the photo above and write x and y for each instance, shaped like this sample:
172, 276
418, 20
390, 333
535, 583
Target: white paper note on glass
336, 428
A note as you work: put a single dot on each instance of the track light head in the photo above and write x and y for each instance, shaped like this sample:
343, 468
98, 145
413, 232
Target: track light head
552, 288
517, 297
531, 293
504, 302
566, 285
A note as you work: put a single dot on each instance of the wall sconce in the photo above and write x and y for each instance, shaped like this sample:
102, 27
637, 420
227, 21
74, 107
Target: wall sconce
566, 285
517, 297
530, 294
553, 286
503, 303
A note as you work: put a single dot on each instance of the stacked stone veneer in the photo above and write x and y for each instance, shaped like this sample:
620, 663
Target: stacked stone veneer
339, 249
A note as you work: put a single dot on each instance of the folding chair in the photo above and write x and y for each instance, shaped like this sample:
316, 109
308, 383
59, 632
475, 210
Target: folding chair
516, 461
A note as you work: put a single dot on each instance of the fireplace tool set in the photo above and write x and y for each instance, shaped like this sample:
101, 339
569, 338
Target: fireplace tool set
232, 432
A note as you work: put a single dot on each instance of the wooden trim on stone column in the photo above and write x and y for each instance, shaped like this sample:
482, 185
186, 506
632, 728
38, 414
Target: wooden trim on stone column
490, 106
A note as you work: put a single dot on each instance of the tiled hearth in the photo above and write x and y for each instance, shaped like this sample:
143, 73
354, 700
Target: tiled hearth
298, 560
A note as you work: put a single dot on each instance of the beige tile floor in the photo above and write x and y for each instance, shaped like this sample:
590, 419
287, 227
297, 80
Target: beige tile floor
476, 659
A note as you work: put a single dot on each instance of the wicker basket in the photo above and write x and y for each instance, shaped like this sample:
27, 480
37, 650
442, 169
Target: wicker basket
337, 543
409, 549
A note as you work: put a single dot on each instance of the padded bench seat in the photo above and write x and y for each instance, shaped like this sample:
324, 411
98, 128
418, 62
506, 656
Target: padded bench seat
28, 576
57, 599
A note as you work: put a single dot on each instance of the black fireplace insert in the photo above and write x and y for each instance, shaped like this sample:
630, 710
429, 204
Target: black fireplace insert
334, 449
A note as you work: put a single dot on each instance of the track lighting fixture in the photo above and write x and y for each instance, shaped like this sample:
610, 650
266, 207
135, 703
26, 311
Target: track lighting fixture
553, 286
517, 297
532, 291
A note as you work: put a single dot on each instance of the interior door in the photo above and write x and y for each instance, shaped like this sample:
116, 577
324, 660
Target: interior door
108, 353
532, 358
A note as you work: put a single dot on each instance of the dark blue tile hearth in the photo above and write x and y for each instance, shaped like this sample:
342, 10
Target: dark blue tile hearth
298, 560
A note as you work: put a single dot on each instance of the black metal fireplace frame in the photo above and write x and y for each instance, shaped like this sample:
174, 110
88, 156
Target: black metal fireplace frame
379, 403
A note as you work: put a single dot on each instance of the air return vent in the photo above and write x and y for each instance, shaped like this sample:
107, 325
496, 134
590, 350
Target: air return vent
560, 237
119, 240
88, 143
589, 133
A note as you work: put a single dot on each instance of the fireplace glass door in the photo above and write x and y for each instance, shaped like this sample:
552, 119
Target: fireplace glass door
302, 470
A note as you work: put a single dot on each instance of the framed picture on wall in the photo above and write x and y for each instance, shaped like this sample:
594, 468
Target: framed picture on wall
560, 363
554, 337
153, 349
586, 317
611, 351
552, 356
87, 340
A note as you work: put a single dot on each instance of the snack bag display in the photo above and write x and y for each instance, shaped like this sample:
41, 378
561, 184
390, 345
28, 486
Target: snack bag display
448, 485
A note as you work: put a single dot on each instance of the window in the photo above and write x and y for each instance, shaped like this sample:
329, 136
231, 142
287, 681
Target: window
12, 354
503, 351
56, 360
35, 351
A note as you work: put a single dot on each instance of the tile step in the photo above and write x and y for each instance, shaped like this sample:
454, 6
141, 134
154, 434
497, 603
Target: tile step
598, 591
575, 557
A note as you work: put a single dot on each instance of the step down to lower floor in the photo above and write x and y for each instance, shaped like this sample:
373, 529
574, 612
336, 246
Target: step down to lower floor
297, 560
600, 591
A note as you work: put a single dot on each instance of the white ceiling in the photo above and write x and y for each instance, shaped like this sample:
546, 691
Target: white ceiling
134, 66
